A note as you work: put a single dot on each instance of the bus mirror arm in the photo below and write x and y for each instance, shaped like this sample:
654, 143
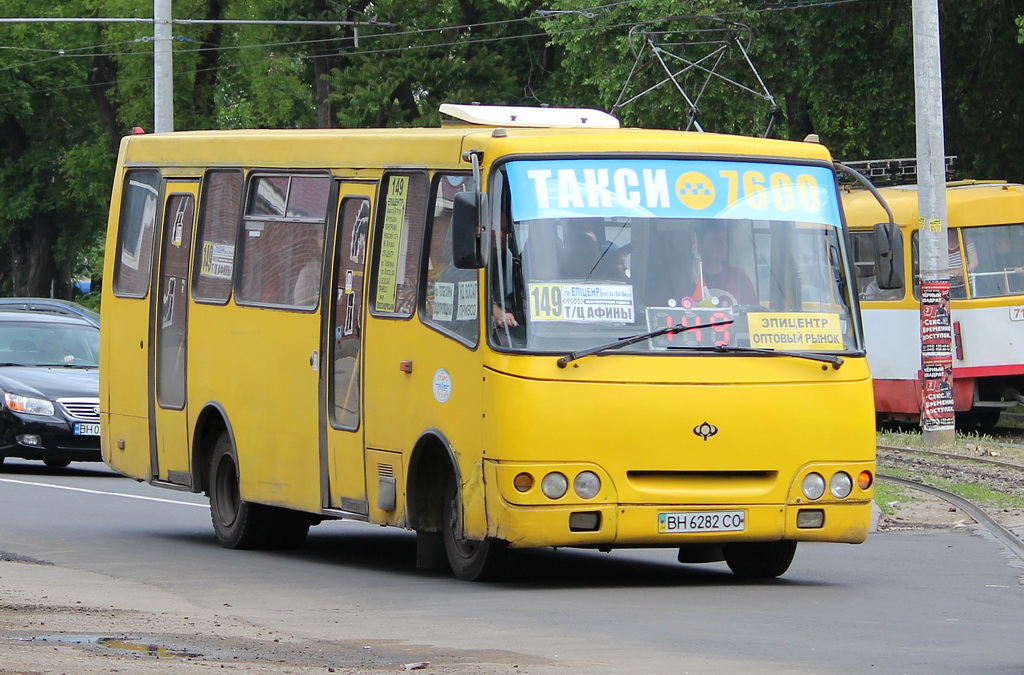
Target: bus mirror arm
888, 239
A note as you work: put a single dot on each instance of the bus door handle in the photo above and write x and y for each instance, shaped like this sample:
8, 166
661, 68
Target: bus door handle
314, 360
405, 366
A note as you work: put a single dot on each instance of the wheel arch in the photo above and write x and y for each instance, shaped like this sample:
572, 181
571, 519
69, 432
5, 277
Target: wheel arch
211, 422
432, 460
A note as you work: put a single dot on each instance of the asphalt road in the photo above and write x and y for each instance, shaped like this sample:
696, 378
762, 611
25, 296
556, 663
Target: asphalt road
927, 601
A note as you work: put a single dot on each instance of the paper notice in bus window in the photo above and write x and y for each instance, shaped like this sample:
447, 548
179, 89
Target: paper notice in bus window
581, 302
468, 301
218, 260
391, 243
795, 330
443, 307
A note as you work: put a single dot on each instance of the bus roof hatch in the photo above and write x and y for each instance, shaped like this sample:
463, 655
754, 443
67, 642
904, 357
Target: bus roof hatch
528, 116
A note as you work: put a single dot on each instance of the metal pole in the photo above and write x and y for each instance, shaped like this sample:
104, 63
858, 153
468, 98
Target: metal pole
937, 415
163, 68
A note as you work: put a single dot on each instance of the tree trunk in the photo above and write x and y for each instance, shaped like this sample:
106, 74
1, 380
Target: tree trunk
34, 271
101, 79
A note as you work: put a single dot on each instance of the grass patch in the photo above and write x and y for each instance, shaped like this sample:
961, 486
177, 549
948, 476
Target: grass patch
979, 494
887, 493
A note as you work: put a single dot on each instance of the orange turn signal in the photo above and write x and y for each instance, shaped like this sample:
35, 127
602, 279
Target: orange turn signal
523, 482
864, 480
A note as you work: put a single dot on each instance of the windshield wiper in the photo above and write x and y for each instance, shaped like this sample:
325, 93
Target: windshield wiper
836, 361
625, 342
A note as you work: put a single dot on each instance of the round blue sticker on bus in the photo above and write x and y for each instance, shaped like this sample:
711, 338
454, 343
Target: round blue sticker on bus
442, 385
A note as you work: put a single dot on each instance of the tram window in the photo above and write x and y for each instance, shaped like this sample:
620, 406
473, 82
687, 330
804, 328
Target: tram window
997, 260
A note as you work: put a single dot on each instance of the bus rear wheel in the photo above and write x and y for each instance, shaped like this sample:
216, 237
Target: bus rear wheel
470, 560
238, 524
759, 559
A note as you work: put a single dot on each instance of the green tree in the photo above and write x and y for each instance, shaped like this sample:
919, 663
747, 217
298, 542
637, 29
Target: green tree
54, 161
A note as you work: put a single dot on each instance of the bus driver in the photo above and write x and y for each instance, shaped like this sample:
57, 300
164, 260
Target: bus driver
712, 248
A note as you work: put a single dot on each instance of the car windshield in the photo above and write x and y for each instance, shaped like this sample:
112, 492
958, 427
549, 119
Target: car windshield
591, 251
49, 344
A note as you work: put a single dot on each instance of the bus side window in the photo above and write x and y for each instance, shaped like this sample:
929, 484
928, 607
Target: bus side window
135, 233
282, 248
218, 223
450, 302
397, 239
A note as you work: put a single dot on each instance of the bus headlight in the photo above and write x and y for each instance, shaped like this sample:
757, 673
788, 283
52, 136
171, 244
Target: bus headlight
554, 485
840, 485
28, 405
813, 486
587, 485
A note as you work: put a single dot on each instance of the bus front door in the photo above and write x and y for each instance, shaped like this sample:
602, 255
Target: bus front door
343, 462
168, 404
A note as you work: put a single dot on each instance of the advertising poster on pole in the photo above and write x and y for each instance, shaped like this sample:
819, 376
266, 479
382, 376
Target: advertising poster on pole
937, 412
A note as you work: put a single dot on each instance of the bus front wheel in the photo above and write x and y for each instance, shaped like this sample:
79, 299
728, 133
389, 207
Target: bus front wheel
759, 559
238, 524
470, 560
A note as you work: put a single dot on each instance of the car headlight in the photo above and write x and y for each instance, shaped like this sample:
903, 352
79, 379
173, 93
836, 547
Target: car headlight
813, 486
28, 405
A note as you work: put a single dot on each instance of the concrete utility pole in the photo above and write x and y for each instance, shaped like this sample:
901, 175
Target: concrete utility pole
163, 68
938, 422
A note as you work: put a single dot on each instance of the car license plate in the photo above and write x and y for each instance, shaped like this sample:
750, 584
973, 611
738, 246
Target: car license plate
87, 429
702, 521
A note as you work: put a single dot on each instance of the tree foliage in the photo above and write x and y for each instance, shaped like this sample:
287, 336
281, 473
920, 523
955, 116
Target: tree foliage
842, 70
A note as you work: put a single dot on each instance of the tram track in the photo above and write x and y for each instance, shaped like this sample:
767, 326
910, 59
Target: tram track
1012, 485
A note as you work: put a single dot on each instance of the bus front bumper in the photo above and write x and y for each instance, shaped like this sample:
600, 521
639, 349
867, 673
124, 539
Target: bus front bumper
642, 526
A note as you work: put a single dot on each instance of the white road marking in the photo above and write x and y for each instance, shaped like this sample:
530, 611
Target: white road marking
101, 492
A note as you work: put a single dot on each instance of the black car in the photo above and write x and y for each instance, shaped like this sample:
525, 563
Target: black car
49, 384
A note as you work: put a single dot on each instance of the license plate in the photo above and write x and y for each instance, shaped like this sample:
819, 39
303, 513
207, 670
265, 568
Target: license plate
702, 521
87, 429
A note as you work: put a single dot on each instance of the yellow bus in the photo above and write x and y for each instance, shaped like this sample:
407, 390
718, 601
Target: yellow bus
526, 328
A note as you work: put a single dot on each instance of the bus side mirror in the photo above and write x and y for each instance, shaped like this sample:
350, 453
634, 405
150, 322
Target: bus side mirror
888, 256
468, 209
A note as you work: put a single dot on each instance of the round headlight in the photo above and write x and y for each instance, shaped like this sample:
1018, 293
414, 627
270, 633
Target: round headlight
587, 485
813, 486
840, 485
554, 485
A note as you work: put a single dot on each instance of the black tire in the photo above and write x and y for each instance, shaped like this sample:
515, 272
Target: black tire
470, 560
56, 463
238, 524
760, 559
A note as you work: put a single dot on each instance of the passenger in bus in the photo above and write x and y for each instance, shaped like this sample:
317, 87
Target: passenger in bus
713, 250
613, 264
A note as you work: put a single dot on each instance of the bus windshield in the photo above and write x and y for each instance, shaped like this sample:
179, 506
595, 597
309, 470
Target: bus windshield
591, 251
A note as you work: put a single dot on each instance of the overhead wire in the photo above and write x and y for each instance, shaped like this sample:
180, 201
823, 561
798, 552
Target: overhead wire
781, 6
